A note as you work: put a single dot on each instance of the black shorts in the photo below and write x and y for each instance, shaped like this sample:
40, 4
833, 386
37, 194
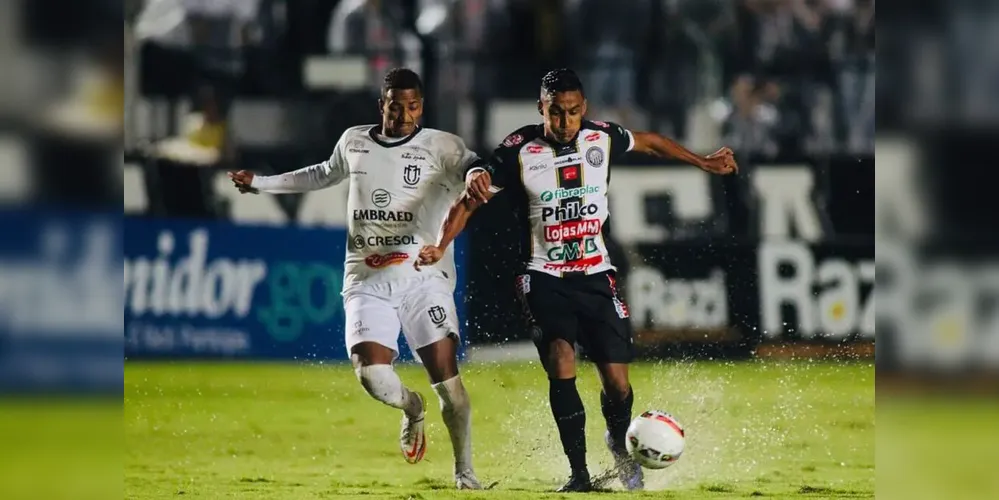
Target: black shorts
584, 310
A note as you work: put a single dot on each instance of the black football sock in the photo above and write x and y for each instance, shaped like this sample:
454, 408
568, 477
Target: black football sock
570, 417
617, 413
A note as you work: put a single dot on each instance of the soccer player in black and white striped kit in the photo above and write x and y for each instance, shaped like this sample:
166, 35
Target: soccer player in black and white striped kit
557, 174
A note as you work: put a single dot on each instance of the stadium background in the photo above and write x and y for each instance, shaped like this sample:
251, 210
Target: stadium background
208, 429
780, 255
775, 262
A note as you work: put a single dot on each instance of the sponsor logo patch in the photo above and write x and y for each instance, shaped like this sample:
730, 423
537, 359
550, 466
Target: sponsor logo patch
572, 230
377, 261
513, 140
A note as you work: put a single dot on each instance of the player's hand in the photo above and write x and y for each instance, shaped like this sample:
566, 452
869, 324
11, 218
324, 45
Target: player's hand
720, 162
242, 180
429, 255
477, 186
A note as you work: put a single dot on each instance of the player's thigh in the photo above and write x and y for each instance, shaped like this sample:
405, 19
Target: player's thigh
606, 333
428, 314
370, 318
549, 312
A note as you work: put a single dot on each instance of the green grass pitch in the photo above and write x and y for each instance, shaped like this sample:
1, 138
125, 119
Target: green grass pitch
308, 431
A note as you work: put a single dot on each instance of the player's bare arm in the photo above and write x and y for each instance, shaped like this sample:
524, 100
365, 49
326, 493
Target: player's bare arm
720, 162
454, 223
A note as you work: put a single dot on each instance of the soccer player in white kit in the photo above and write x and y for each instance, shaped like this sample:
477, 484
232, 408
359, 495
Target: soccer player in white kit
403, 179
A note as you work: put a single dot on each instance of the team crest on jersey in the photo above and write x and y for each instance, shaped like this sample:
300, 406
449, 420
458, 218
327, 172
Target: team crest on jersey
411, 175
595, 156
513, 140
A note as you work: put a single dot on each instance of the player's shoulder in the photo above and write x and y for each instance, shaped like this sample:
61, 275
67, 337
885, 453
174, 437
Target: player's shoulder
439, 137
356, 132
514, 141
439, 142
602, 126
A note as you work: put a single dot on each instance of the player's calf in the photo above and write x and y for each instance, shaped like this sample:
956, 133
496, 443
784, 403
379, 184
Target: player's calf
383, 384
456, 411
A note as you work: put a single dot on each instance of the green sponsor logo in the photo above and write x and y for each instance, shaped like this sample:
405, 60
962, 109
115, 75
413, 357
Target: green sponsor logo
560, 193
572, 250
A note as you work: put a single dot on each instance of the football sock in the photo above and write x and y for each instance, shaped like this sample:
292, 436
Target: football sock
570, 418
383, 384
456, 411
617, 413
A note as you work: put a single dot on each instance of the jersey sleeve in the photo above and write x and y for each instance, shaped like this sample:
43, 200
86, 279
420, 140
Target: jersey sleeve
504, 163
321, 175
457, 160
621, 139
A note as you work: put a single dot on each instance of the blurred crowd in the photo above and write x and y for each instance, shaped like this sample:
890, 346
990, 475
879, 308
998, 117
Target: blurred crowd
777, 77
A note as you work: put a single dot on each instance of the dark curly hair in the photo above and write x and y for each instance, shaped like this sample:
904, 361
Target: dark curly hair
561, 80
402, 79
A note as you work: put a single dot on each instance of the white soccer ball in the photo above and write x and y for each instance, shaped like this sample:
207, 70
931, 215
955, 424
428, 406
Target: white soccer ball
655, 439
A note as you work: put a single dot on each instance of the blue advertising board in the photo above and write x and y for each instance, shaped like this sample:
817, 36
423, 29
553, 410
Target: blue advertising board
220, 290
60, 299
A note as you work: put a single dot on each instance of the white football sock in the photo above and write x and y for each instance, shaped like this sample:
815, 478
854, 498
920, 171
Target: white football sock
383, 384
457, 413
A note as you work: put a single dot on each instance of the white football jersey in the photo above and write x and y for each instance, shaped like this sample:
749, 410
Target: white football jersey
400, 192
560, 193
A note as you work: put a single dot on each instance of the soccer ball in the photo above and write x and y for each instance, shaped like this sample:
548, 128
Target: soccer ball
655, 439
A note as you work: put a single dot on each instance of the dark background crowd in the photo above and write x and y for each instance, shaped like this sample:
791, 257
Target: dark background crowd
772, 77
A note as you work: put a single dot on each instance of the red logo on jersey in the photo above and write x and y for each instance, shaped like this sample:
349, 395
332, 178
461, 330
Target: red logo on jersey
377, 261
600, 124
579, 265
570, 173
571, 230
513, 140
592, 137
535, 149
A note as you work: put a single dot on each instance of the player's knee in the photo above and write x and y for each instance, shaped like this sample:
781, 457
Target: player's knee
382, 383
617, 389
561, 360
358, 362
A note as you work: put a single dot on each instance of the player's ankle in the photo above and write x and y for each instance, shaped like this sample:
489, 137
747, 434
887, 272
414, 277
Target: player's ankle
414, 406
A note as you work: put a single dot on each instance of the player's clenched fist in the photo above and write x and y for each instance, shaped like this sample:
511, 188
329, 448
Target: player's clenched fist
242, 180
720, 162
429, 255
477, 185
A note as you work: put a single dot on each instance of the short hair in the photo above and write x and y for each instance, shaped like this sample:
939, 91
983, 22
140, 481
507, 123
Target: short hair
561, 80
402, 79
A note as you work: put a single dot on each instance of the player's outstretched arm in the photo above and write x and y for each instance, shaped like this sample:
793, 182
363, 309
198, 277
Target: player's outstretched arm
311, 178
720, 162
457, 217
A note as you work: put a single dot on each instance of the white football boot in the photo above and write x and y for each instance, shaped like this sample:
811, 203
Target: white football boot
412, 440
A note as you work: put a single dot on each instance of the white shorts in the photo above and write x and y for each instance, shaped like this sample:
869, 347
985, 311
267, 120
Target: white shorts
423, 308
